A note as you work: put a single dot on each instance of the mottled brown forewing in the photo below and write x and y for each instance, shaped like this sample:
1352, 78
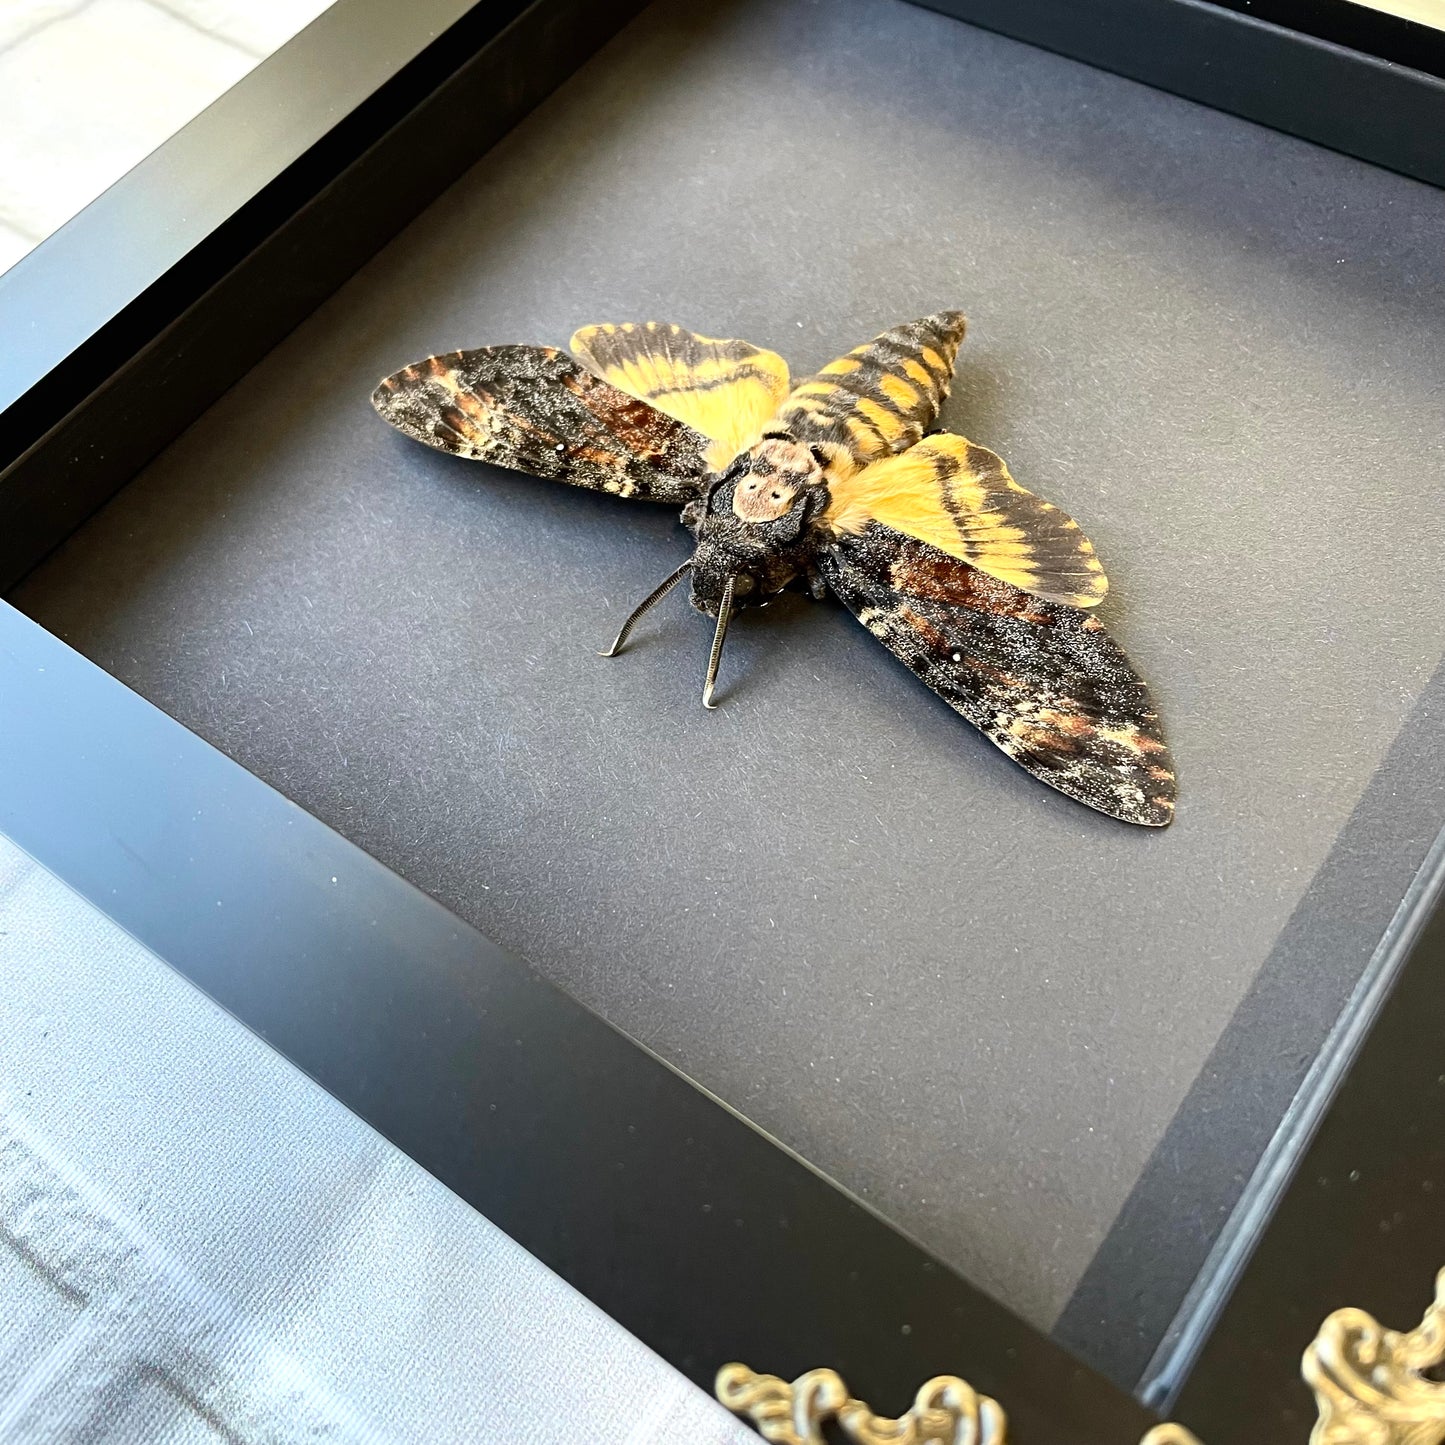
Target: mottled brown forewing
536, 410
1044, 681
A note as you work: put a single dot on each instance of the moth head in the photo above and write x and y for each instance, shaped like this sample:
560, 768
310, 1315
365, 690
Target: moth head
773, 478
712, 568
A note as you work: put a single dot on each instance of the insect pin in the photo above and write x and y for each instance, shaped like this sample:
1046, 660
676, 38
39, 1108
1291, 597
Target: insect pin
839, 485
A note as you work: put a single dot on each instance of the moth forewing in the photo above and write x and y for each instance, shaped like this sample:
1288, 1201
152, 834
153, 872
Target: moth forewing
534, 409
1043, 681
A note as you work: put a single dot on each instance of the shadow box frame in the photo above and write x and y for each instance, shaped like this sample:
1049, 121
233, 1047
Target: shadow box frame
708, 1240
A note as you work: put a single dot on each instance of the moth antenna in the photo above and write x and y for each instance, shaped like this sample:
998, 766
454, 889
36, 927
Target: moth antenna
646, 606
724, 612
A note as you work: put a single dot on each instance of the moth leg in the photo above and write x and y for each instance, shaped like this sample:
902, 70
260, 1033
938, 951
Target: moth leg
724, 612
646, 606
817, 586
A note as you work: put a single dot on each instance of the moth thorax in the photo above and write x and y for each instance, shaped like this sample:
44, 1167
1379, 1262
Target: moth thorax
778, 471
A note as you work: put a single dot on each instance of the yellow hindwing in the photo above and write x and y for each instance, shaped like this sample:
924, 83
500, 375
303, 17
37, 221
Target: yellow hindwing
959, 497
726, 390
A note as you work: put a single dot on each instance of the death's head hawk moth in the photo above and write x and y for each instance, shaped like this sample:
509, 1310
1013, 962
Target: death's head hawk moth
839, 484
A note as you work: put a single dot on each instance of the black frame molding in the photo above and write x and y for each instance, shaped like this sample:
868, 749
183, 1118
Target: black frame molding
1299, 66
705, 1238
1359, 1222
122, 327
1411, 947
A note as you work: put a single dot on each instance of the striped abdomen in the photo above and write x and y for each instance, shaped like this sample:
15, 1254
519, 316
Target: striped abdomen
880, 398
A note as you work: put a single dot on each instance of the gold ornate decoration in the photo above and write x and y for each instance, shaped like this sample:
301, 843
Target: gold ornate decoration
946, 1411
1169, 1434
1369, 1382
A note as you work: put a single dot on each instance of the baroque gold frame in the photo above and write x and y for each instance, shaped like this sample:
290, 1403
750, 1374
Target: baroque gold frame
1370, 1387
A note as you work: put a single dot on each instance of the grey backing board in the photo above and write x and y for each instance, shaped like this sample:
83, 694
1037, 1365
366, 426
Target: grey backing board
972, 1001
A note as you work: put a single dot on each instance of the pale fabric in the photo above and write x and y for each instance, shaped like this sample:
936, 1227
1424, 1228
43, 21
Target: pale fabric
198, 1243
90, 87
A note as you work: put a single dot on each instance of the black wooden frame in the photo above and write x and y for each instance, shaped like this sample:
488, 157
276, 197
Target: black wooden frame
1351, 78
699, 1234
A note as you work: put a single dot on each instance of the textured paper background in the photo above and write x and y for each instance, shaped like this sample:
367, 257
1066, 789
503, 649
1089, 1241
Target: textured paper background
974, 1002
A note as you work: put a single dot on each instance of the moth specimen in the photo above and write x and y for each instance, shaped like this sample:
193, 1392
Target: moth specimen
840, 485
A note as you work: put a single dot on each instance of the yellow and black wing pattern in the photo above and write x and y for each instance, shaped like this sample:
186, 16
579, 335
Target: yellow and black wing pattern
535, 409
959, 497
877, 400
1043, 681
727, 390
